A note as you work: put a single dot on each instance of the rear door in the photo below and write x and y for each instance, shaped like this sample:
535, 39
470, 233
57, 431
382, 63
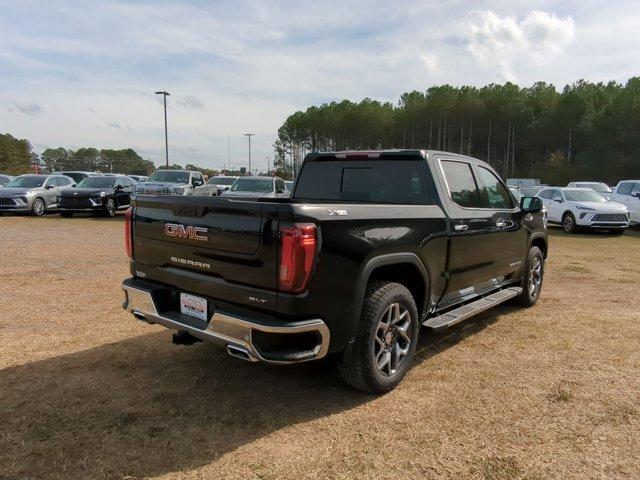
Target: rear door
215, 247
484, 242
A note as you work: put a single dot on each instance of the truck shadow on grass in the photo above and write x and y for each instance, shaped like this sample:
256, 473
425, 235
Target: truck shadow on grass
143, 407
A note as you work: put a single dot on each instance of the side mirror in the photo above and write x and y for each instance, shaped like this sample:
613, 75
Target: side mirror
557, 199
636, 194
119, 187
48, 187
196, 183
279, 190
531, 204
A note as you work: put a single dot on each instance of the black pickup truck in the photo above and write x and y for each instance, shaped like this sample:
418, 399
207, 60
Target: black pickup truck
370, 246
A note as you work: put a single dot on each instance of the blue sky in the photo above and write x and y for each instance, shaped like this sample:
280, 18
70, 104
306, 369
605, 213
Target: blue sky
77, 74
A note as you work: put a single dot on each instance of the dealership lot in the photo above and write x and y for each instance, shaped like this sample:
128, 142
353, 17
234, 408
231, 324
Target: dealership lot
87, 392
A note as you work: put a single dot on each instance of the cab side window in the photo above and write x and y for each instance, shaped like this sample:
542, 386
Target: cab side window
495, 193
625, 188
463, 187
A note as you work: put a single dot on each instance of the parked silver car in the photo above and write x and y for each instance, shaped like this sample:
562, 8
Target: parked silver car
214, 186
170, 182
34, 194
257, 187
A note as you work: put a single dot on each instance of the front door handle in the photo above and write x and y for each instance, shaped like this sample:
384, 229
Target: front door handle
501, 223
461, 228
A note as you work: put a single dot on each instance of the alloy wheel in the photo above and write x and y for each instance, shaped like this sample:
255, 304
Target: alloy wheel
535, 276
392, 339
38, 207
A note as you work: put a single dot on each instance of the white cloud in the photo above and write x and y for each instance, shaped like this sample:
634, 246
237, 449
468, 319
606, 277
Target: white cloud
503, 42
430, 62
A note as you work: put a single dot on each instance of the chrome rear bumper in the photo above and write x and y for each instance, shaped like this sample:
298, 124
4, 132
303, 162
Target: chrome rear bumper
238, 335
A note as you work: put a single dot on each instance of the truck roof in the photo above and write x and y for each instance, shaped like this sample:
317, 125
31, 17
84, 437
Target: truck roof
388, 154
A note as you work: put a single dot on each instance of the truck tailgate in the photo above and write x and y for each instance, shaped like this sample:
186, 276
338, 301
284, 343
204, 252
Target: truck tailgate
211, 246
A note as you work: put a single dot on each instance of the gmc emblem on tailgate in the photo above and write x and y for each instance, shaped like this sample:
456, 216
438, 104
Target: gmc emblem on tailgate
180, 231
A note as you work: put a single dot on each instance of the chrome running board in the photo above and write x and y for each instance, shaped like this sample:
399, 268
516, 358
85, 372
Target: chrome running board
460, 314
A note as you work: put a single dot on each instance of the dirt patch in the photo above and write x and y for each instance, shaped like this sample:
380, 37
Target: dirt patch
87, 392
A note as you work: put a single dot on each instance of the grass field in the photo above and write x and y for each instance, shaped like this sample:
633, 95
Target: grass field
87, 392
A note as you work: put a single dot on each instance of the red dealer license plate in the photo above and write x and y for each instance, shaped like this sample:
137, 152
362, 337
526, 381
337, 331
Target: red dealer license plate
193, 306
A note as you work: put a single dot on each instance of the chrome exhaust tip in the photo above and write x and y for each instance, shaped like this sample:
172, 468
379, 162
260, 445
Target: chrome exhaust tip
239, 352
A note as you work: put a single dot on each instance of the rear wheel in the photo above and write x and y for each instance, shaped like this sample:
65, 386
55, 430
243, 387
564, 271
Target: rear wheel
37, 207
569, 223
533, 276
385, 345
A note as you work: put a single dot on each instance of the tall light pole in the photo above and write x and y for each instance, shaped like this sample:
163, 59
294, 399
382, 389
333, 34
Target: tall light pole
249, 135
166, 137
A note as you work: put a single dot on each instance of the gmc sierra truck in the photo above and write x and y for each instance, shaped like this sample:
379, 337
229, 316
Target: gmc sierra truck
370, 246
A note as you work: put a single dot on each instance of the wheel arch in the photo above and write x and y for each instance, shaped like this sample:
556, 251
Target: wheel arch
541, 242
404, 268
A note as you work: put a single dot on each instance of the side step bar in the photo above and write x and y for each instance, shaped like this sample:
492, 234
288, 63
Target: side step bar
452, 317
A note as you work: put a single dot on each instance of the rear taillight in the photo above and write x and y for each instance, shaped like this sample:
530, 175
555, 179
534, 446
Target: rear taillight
297, 256
128, 240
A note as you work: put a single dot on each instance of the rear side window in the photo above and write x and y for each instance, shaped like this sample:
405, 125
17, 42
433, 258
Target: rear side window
462, 184
495, 192
546, 194
379, 181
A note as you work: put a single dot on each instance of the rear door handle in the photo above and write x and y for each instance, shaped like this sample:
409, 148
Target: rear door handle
461, 228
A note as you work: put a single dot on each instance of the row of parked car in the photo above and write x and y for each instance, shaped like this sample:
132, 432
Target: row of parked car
105, 194
590, 205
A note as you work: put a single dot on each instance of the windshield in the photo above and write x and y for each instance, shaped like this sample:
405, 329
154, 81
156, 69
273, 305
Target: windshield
252, 185
221, 181
583, 196
169, 177
27, 182
598, 187
97, 182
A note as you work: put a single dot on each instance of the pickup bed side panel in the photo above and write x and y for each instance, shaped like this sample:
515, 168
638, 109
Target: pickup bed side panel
348, 242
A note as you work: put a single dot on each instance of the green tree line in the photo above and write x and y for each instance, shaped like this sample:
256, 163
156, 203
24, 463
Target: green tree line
16, 155
93, 160
586, 131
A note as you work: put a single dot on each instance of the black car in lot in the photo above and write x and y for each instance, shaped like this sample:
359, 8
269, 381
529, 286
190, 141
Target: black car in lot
370, 246
103, 195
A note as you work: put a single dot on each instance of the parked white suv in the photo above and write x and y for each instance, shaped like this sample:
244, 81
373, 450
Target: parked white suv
627, 192
574, 208
598, 187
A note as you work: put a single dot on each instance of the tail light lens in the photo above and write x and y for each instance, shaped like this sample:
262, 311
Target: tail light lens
297, 256
128, 230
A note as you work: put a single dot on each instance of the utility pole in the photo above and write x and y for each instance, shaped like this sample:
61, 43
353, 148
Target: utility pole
229, 141
268, 166
249, 135
166, 136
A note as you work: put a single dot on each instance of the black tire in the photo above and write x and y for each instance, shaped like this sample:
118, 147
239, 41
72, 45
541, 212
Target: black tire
617, 231
38, 207
110, 208
66, 214
569, 223
532, 278
358, 365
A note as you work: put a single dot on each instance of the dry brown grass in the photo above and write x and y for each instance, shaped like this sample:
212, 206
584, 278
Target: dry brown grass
87, 392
